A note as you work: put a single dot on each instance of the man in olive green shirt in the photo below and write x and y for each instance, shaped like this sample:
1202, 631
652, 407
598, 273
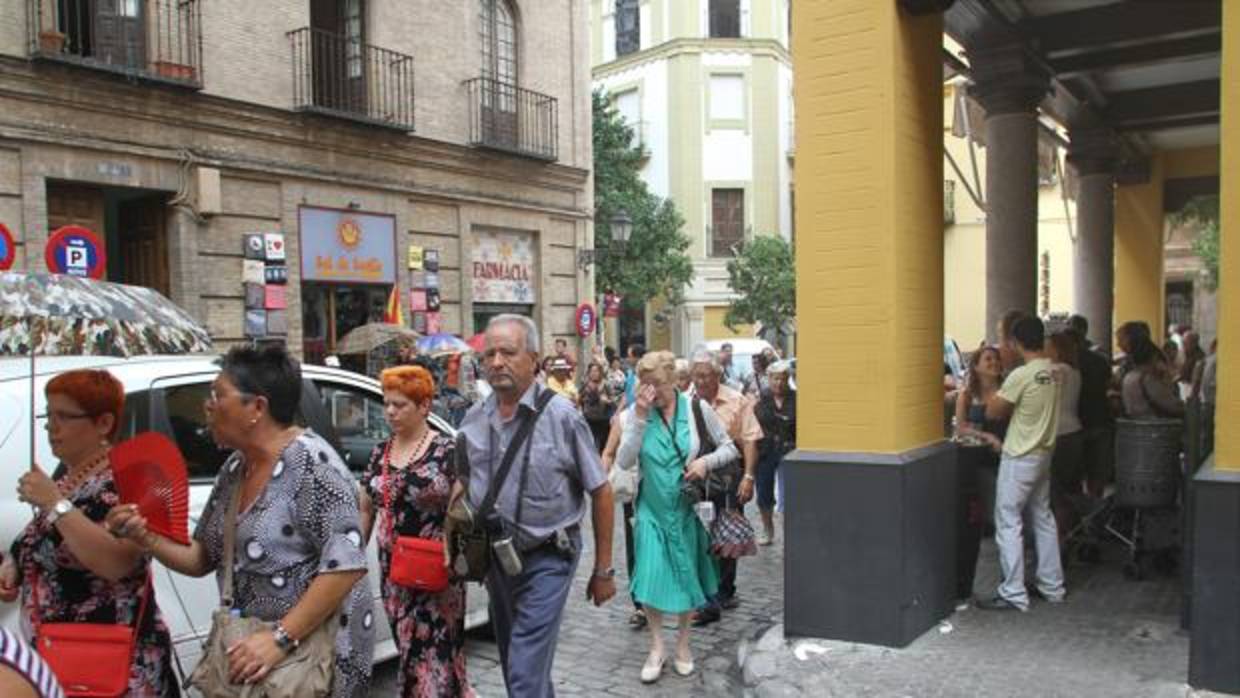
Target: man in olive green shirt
1030, 396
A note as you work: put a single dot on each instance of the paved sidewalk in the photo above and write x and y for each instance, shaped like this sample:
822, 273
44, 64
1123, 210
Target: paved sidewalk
1112, 637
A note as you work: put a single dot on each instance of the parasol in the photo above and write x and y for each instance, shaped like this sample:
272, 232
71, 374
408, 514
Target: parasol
371, 336
58, 315
442, 343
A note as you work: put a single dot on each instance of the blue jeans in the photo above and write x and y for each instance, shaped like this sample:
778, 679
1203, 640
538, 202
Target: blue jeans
768, 466
526, 611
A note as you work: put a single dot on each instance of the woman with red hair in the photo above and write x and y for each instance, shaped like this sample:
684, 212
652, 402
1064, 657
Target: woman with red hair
407, 485
65, 566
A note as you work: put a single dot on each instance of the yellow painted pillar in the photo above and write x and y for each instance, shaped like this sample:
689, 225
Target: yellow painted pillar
870, 488
870, 254
1227, 410
1139, 241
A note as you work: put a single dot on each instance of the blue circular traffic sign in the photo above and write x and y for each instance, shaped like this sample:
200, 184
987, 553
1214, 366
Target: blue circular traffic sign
76, 251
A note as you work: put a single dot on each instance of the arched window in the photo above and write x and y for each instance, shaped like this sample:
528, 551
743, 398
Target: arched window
498, 28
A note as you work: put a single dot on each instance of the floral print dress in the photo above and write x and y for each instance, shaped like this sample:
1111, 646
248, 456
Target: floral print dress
429, 628
67, 592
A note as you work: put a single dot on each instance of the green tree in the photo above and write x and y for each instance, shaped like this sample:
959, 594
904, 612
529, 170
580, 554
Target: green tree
654, 263
1203, 211
763, 276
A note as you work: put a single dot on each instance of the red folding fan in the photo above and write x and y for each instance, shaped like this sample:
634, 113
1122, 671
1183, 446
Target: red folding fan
149, 471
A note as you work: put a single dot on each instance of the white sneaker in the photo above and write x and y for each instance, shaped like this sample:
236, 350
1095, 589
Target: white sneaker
765, 538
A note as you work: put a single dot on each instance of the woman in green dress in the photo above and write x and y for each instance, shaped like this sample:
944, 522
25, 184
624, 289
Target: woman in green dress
674, 572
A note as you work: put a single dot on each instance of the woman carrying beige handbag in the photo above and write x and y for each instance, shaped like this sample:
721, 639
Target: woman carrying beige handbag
283, 532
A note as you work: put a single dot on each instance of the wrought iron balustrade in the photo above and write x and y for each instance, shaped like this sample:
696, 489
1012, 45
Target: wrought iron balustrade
505, 117
158, 40
342, 77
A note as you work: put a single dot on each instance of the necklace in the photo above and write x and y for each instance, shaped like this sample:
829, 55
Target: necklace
69, 484
418, 447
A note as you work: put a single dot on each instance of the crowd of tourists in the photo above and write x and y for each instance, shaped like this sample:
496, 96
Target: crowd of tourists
1036, 415
286, 527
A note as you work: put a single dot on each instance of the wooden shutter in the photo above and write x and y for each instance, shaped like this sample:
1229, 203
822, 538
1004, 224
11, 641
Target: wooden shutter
727, 220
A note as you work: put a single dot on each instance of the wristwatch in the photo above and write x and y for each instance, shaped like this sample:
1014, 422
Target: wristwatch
284, 641
748, 476
608, 573
58, 510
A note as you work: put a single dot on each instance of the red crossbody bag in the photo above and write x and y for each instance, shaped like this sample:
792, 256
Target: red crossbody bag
417, 563
91, 660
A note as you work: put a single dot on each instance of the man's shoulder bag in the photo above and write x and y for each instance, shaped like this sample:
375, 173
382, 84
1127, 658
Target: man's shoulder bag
469, 540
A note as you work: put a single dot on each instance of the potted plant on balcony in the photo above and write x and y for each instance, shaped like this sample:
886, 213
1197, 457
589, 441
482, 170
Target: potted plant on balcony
175, 71
51, 41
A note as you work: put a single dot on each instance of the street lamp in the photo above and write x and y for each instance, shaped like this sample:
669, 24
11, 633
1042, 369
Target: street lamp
621, 229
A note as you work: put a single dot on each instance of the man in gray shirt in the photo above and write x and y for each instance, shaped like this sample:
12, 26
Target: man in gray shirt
544, 513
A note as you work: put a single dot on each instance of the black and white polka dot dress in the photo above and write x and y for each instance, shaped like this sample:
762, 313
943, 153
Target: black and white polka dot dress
305, 521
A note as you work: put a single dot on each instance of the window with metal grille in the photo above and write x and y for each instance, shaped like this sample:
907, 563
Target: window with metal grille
628, 27
727, 229
725, 19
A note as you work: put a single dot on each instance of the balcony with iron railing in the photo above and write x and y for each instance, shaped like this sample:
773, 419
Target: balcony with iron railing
154, 40
336, 76
505, 117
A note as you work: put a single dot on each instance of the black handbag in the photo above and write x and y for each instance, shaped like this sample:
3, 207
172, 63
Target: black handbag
719, 480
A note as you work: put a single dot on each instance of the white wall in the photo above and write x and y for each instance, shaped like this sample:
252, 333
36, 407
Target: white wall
651, 81
786, 116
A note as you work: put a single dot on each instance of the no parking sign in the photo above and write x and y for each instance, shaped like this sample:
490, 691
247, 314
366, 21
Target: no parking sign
76, 251
8, 249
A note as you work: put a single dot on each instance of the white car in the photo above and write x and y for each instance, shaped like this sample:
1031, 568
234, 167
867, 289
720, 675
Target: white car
166, 394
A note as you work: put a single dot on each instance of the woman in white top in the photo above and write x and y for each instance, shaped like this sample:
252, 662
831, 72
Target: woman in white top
1067, 465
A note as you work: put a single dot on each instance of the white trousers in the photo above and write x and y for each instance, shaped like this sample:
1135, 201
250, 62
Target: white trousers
1025, 483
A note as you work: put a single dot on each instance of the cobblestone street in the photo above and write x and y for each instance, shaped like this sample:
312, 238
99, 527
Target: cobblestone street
600, 655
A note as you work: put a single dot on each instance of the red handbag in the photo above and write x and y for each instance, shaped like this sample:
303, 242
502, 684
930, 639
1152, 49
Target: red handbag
90, 660
417, 563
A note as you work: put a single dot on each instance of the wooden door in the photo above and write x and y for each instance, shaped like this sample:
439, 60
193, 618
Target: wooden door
73, 204
727, 221
120, 33
144, 243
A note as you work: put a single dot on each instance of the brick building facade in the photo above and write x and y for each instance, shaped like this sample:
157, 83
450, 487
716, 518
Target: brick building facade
173, 129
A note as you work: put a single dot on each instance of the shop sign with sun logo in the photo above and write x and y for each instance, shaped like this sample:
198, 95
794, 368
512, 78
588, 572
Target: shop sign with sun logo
347, 246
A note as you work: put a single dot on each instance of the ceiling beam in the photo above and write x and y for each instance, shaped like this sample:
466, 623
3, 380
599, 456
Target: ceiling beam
1141, 54
1169, 123
1122, 23
1166, 102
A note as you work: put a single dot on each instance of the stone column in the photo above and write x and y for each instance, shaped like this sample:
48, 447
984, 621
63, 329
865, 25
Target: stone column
1093, 158
1010, 87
